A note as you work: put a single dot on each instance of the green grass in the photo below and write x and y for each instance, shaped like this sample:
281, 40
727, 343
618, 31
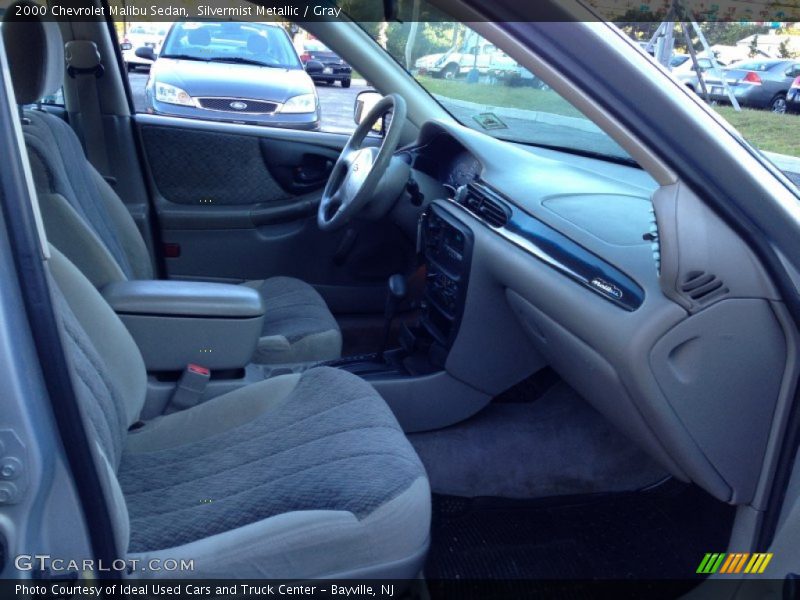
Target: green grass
763, 129
500, 95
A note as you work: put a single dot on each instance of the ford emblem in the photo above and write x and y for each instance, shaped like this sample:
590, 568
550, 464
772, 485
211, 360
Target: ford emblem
238, 105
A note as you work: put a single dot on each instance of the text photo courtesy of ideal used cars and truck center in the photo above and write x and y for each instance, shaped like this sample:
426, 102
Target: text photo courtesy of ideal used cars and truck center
409, 299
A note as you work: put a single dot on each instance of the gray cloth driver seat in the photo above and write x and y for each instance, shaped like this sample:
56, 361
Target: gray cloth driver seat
87, 221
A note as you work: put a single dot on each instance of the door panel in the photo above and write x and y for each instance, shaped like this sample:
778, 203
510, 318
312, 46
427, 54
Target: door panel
237, 202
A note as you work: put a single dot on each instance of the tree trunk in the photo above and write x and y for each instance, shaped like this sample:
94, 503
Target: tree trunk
412, 35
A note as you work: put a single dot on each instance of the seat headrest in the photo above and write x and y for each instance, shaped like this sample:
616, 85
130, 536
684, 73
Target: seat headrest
35, 53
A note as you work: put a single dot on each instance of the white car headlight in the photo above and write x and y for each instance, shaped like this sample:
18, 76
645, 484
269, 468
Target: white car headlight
172, 95
305, 103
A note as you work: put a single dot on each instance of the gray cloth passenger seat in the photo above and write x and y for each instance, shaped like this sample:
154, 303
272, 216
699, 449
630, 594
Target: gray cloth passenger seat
299, 476
89, 223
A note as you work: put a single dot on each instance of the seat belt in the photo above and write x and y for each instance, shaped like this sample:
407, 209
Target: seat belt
83, 65
190, 388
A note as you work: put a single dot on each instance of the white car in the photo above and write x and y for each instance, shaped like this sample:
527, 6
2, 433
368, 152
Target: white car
685, 73
505, 69
475, 53
681, 64
142, 34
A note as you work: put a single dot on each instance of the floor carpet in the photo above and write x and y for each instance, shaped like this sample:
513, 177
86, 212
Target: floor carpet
653, 534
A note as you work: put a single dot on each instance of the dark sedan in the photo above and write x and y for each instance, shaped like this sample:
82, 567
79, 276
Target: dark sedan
334, 68
242, 72
793, 97
756, 83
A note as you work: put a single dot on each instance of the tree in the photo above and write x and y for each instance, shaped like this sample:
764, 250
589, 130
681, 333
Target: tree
412, 36
727, 34
639, 25
783, 49
753, 48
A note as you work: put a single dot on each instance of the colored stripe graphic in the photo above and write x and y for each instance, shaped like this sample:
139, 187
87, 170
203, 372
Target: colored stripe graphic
758, 563
734, 563
710, 563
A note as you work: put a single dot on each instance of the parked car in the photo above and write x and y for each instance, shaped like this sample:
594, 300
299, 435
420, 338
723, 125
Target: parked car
149, 35
793, 97
690, 78
681, 64
246, 72
334, 67
505, 69
756, 83
475, 53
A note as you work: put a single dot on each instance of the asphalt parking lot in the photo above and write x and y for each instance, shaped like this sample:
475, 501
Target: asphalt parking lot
337, 102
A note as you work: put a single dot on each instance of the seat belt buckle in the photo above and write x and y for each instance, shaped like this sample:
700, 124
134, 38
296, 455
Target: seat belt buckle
191, 386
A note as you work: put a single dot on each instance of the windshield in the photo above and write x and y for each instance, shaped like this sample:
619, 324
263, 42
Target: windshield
149, 29
254, 43
755, 66
483, 88
315, 46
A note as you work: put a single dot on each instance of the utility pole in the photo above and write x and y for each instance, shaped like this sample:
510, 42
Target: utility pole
700, 79
662, 46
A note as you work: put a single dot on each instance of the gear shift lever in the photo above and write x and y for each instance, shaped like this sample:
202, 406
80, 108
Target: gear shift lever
396, 293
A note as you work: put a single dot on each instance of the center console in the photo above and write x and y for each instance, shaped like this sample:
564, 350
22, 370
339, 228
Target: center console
413, 379
175, 323
447, 251
445, 247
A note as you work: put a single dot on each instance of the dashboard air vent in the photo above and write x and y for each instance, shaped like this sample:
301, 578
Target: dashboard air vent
492, 213
703, 287
481, 202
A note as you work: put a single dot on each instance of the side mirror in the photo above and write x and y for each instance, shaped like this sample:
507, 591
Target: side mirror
365, 101
146, 52
314, 67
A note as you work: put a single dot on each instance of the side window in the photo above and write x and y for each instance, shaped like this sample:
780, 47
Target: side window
268, 74
56, 99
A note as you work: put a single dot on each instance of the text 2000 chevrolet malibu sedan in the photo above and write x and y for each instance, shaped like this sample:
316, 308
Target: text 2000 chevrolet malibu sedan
248, 72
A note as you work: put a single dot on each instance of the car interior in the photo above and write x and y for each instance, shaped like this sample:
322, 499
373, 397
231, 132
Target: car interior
417, 349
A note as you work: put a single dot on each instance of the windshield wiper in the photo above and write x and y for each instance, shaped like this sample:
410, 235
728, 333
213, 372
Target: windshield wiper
241, 60
183, 57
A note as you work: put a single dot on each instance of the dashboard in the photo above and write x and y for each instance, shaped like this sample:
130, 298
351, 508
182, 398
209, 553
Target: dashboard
580, 264
610, 211
463, 169
445, 159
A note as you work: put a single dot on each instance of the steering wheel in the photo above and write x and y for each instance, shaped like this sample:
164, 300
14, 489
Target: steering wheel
359, 168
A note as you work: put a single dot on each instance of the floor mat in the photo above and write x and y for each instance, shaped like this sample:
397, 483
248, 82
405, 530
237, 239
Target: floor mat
558, 445
654, 534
